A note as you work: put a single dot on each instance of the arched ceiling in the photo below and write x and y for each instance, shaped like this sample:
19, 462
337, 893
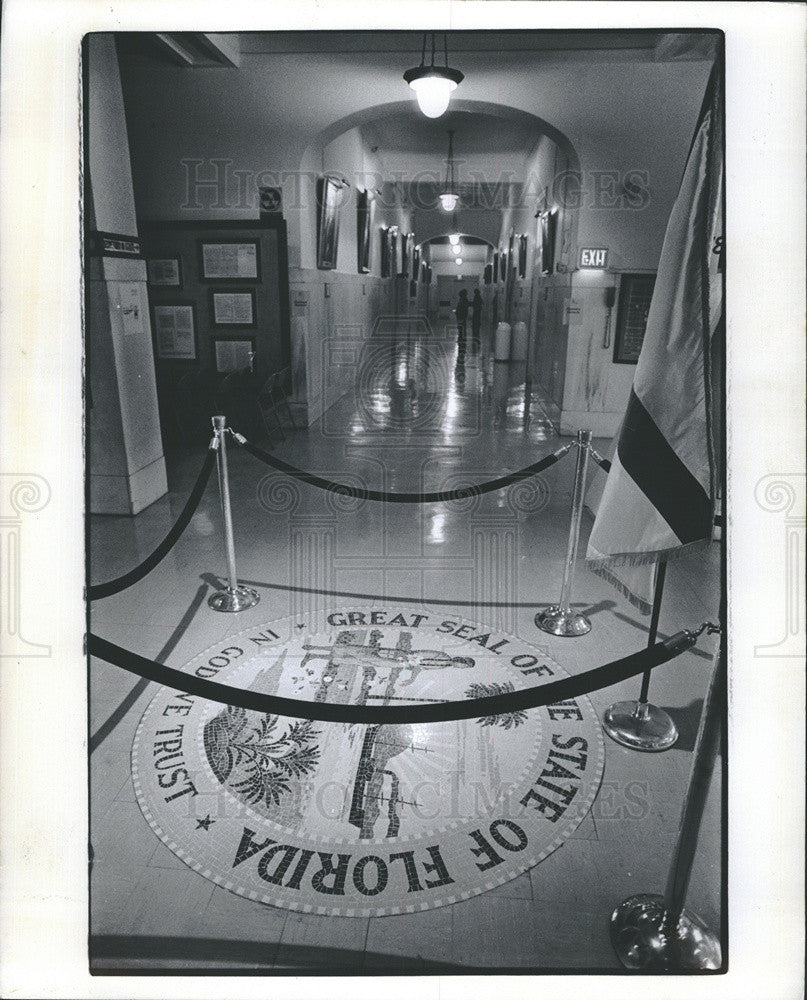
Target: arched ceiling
411, 132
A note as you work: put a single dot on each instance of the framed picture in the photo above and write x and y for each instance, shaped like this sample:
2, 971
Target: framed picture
364, 228
522, 256
229, 260
407, 252
389, 252
165, 272
329, 196
385, 263
549, 224
393, 250
174, 326
233, 355
232, 307
635, 293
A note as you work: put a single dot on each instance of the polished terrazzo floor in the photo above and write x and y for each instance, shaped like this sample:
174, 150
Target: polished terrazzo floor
421, 417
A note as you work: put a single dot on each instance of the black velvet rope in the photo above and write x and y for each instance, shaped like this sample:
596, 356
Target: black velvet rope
440, 496
534, 697
122, 582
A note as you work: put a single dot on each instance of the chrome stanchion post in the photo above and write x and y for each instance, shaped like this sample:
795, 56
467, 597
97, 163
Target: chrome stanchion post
233, 597
638, 724
656, 933
559, 619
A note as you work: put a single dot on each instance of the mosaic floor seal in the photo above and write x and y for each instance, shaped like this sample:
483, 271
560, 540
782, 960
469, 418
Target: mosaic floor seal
357, 820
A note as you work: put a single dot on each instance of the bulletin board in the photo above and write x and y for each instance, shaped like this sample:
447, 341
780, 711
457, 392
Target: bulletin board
234, 275
254, 296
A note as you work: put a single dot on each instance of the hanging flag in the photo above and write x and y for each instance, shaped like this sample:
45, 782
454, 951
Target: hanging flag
659, 499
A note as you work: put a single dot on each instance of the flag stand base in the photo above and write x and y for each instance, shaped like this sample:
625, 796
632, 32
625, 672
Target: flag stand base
642, 941
640, 726
562, 621
234, 599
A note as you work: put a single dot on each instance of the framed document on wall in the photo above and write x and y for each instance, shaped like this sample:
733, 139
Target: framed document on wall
232, 307
165, 272
229, 260
233, 355
175, 330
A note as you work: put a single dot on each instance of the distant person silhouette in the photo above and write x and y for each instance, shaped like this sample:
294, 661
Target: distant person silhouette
461, 313
476, 318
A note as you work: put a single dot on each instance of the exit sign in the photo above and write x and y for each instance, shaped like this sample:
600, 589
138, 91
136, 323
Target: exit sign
594, 257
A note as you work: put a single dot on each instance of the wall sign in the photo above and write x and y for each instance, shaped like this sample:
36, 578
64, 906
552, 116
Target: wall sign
270, 200
113, 245
593, 257
131, 309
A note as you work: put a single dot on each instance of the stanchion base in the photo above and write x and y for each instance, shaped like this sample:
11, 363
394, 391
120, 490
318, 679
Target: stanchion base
562, 621
234, 600
641, 941
640, 726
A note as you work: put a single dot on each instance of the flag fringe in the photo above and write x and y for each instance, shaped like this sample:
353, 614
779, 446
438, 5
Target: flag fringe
645, 558
602, 567
636, 601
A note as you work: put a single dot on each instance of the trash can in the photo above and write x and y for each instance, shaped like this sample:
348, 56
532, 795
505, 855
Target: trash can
518, 350
501, 348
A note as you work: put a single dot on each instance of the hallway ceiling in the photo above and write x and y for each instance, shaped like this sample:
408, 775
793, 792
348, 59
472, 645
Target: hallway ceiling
304, 82
458, 41
615, 96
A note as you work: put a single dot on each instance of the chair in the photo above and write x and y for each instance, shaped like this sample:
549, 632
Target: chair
272, 397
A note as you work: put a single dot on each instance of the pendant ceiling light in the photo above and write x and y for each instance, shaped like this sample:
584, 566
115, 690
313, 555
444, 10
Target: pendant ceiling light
433, 84
449, 196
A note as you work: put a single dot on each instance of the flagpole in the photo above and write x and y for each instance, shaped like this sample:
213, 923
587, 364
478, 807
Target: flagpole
651, 932
658, 593
638, 724
559, 619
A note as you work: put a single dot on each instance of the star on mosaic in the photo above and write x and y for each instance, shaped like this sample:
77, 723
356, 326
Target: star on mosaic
204, 824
